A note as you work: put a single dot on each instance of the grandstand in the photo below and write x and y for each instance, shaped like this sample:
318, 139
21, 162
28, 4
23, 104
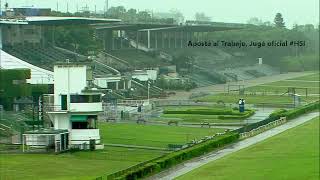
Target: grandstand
43, 57
127, 47
24, 45
139, 59
13, 123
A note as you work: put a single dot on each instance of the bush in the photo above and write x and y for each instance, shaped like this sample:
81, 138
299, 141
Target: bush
302, 110
200, 111
239, 115
294, 112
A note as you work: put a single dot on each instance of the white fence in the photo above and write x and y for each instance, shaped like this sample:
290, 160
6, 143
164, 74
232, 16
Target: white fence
263, 128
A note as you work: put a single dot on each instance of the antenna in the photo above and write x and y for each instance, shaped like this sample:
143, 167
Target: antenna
107, 4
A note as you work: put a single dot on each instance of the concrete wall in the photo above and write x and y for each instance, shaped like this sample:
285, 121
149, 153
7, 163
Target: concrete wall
85, 107
14, 34
79, 136
68, 79
61, 121
145, 75
103, 82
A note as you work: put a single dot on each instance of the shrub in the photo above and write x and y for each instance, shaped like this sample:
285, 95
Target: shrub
239, 115
200, 111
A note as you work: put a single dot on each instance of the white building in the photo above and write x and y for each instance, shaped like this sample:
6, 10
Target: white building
145, 75
75, 109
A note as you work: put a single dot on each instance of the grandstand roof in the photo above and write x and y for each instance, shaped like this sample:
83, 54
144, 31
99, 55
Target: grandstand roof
52, 20
137, 26
164, 27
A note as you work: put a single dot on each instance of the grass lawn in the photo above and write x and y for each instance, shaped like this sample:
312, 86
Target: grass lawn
250, 99
280, 87
312, 77
310, 81
293, 154
74, 166
196, 118
151, 135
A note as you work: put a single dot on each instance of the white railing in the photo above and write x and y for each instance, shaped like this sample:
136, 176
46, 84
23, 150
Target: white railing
263, 128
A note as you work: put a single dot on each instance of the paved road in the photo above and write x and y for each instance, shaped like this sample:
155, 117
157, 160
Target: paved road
197, 162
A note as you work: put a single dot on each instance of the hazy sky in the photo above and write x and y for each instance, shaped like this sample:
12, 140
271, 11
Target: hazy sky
293, 11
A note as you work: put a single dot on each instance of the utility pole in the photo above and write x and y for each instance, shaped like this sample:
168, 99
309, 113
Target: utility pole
106, 6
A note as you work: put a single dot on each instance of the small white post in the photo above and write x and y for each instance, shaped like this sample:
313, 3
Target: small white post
148, 92
22, 143
148, 39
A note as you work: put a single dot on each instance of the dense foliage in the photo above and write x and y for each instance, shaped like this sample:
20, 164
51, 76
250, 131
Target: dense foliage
13, 85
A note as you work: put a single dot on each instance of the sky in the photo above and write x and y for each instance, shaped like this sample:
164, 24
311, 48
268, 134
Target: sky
236, 11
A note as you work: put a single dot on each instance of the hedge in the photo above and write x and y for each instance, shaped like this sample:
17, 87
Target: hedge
290, 114
302, 110
204, 112
245, 115
176, 157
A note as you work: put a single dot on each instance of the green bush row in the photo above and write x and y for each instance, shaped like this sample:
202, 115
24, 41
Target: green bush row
176, 157
244, 115
203, 112
290, 114
302, 110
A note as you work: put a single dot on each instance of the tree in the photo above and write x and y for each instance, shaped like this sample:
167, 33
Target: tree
267, 23
255, 21
201, 17
177, 15
144, 16
278, 21
116, 12
131, 15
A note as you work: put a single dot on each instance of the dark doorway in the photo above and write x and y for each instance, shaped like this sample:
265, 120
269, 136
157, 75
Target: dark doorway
64, 105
